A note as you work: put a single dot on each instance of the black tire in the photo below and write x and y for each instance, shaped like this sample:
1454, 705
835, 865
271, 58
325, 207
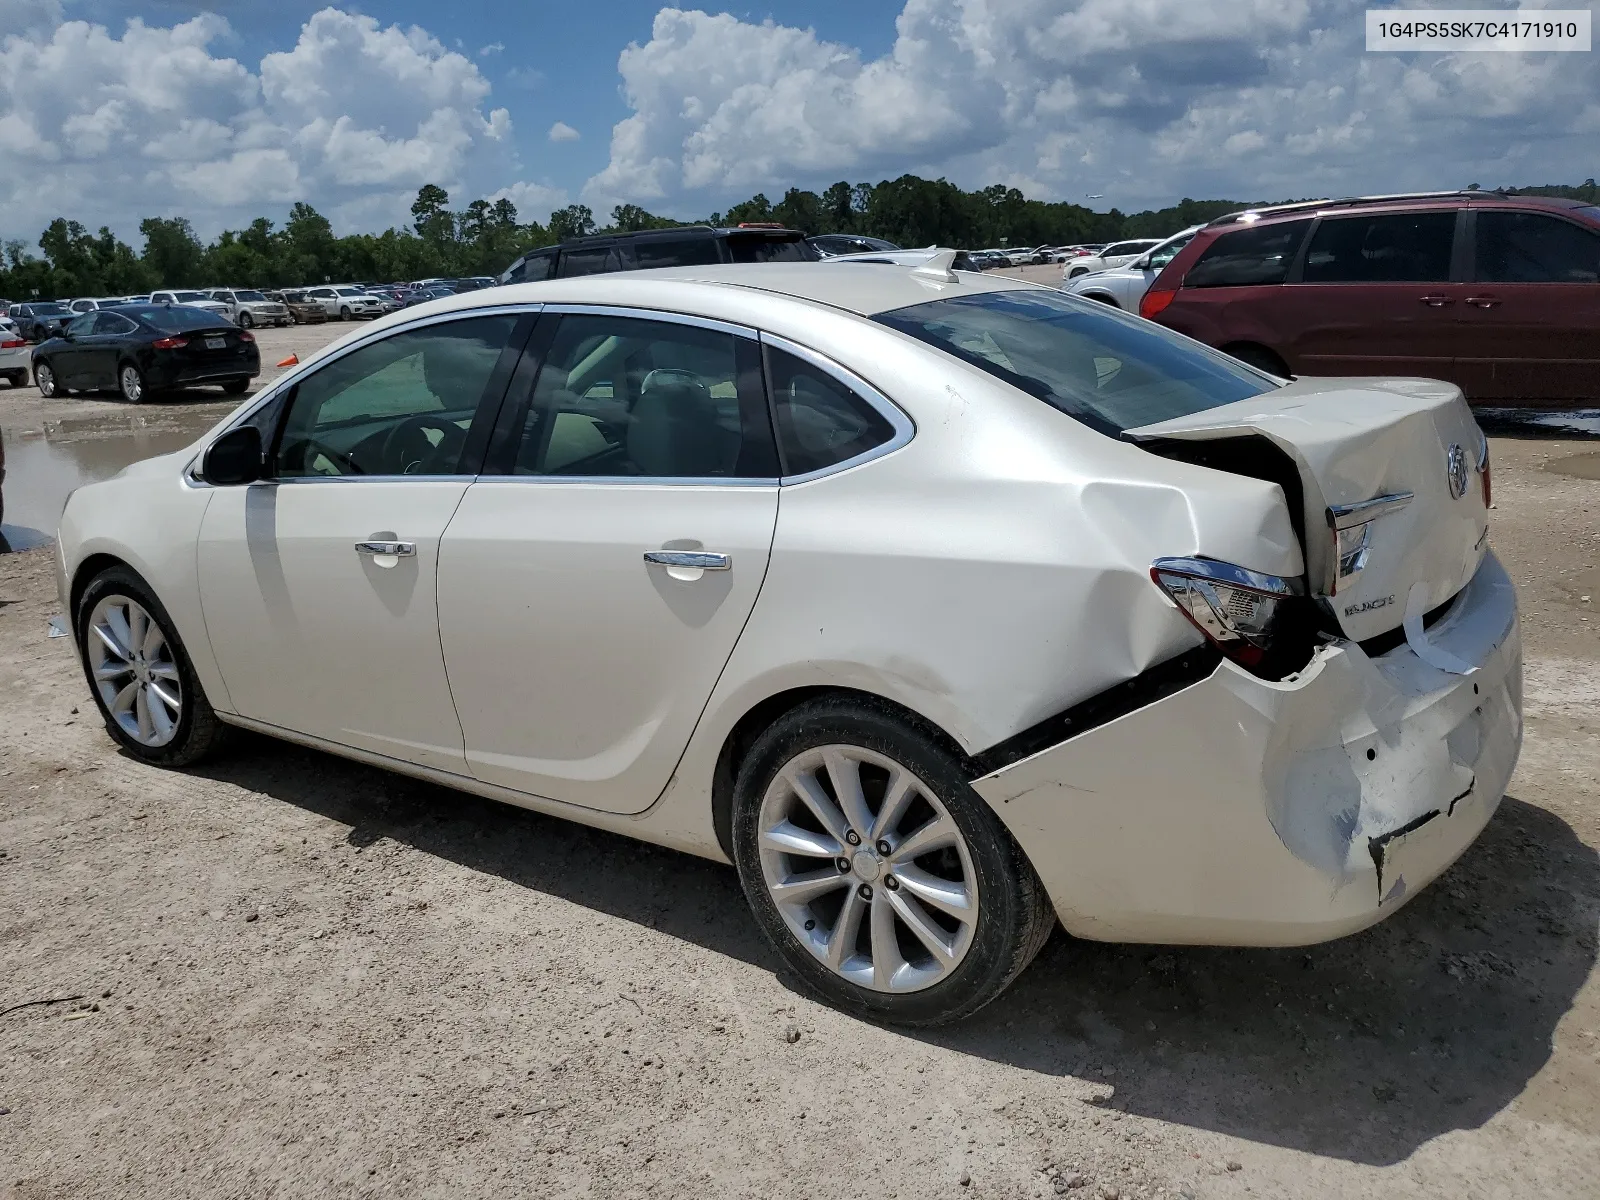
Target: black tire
17, 379
44, 378
1014, 919
236, 387
1260, 358
246, 321
199, 733
1076, 273
131, 383
344, 312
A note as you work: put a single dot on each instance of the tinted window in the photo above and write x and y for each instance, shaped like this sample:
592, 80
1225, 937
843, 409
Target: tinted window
176, 317
1168, 251
81, 326
1257, 254
400, 406
684, 252
47, 310
1121, 248
623, 397
248, 296
593, 261
1520, 247
1109, 369
533, 269
109, 323
747, 248
1394, 248
820, 421
188, 297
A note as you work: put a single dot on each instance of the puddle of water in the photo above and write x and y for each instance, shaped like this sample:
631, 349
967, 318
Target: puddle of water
43, 469
1579, 466
1578, 423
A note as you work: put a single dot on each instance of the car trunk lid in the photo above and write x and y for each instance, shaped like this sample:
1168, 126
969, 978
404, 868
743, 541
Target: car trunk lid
1389, 485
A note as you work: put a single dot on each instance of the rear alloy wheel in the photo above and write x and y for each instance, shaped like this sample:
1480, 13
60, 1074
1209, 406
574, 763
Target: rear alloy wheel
883, 879
140, 674
246, 321
130, 382
44, 378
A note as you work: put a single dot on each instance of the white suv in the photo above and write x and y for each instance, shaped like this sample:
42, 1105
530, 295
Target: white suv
190, 299
248, 308
345, 303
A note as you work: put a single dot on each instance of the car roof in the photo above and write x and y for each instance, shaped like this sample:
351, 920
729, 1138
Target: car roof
1400, 201
862, 288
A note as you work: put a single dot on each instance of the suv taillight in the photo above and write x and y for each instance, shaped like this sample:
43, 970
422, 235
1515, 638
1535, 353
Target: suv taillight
1154, 302
1238, 610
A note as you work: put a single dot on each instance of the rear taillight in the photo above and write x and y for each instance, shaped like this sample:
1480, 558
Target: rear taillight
1235, 608
246, 336
1484, 472
1155, 302
12, 343
170, 343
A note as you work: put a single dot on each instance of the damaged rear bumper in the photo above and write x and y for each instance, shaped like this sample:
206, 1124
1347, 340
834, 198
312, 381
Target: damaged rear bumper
1242, 811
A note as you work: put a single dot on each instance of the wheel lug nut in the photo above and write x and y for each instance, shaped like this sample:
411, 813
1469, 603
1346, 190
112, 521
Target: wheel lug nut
853, 838
892, 884
865, 891
884, 848
843, 864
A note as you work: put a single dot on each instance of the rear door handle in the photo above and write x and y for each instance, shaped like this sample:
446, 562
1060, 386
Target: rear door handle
1437, 301
392, 549
698, 559
1483, 301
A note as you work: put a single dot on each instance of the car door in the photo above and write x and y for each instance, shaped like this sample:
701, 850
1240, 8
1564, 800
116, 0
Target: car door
1530, 320
104, 347
1375, 295
595, 580
72, 360
318, 583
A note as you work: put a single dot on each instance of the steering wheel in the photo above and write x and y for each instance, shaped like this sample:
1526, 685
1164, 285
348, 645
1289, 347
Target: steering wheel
410, 449
347, 465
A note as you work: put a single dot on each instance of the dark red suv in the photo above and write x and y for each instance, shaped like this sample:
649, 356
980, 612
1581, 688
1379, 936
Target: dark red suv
1499, 294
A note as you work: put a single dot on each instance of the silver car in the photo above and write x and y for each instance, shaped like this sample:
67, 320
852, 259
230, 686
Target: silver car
15, 354
249, 308
1124, 287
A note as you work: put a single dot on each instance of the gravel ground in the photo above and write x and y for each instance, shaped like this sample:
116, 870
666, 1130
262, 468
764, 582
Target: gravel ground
288, 975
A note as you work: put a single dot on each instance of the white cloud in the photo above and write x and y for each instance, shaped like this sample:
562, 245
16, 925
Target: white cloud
562, 132
1145, 100
491, 48
534, 201
106, 128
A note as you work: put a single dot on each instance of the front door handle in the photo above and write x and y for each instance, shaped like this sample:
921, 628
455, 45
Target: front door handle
1437, 301
392, 549
1483, 301
696, 559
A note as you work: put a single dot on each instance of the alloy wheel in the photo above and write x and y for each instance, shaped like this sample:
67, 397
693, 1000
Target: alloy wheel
132, 384
44, 379
867, 868
246, 320
131, 663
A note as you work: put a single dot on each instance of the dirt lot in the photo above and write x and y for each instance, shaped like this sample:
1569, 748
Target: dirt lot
287, 975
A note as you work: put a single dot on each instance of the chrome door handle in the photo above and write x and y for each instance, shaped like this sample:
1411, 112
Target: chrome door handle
698, 559
392, 549
1483, 301
1437, 301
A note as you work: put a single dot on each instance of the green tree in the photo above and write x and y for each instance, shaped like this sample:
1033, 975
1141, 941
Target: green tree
172, 253
575, 220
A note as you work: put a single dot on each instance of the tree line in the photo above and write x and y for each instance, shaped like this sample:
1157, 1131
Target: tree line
484, 237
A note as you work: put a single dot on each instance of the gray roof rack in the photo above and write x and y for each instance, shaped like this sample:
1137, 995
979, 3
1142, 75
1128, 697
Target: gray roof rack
1273, 210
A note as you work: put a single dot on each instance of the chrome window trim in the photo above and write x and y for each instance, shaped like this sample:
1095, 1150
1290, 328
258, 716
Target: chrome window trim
904, 428
293, 376
653, 314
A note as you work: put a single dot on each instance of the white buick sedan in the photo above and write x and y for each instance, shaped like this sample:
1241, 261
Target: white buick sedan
942, 605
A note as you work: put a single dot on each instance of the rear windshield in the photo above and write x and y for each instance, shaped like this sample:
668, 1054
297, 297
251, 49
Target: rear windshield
753, 248
1109, 369
189, 297
47, 310
171, 316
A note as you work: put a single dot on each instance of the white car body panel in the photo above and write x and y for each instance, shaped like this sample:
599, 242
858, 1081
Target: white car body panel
17, 358
986, 575
281, 583
1126, 285
578, 670
1106, 261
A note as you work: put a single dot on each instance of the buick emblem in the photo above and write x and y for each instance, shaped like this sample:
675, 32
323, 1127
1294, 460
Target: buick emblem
1456, 469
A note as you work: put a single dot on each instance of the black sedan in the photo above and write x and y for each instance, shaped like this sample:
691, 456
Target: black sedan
40, 319
143, 348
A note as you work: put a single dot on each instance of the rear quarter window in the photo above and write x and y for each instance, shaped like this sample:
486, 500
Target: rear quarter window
1256, 254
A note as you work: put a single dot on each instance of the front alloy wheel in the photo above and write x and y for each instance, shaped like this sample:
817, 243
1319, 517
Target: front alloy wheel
131, 663
130, 383
44, 378
246, 321
344, 312
867, 869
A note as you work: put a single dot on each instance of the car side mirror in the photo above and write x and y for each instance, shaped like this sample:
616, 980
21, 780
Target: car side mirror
234, 458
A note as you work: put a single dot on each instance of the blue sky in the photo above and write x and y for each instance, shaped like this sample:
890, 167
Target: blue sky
111, 110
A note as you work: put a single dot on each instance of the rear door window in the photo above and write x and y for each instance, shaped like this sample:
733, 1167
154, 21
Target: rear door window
682, 252
593, 260
534, 268
1257, 254
821, 422
1523, 247
1411, 247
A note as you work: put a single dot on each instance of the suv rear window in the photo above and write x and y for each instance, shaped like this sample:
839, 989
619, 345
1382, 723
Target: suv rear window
1253, 255
677, 252
1411, 247
754, 248
1109, 369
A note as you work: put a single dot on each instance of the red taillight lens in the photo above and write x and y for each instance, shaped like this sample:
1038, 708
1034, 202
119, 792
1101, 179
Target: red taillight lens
246, 336
1233, 607
1483, 469
170, 343
1155, 302
12, 343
